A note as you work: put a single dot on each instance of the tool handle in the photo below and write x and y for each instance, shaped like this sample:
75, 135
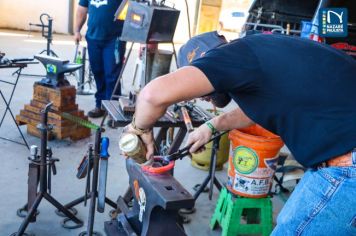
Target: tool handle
54, 168
187, 120
104, 148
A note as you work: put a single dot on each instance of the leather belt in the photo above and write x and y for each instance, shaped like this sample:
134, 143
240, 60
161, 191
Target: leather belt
340, 161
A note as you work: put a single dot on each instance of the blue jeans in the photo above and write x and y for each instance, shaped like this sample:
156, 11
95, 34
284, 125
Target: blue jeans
323, 203
106, 59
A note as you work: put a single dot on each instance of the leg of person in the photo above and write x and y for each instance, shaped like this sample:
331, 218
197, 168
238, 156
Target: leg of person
113, 57
95, 50
323, 203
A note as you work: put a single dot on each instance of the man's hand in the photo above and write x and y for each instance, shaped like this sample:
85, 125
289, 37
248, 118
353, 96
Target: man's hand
146, 138
77, 37
198, 138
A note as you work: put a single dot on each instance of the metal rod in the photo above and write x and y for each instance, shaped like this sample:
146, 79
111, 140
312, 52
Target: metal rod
30, 214
213, 166
13, 118
10, 98
61, 208
95, 183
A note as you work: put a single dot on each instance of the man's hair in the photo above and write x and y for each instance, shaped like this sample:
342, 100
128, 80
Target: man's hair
220, 100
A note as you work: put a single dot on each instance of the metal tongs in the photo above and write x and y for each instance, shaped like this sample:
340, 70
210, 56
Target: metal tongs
185, 151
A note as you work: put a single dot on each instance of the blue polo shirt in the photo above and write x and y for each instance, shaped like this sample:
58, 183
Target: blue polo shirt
302, 90
101, 23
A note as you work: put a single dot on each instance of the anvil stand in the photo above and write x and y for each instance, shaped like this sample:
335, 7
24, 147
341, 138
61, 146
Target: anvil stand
211, 177
93, 193
44, 185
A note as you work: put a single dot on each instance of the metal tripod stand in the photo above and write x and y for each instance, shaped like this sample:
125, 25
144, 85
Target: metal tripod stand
211, 175
91, 193
210, 178
44, 184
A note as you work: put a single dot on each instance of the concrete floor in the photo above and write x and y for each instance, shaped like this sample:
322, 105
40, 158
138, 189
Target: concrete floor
66, 187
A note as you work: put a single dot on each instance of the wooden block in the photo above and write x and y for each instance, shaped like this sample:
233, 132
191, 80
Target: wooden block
61, 97
25, 120
32, 130
80, 134
41, 105
19, 120
55, 116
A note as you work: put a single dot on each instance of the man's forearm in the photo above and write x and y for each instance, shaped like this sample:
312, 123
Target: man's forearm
147, 114
231, 120
160, 93
80, 18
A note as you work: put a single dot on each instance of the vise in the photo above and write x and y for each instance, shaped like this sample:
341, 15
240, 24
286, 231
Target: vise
55, 70
157, 199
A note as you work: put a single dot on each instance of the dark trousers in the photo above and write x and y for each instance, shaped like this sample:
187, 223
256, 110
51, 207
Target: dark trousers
106, 59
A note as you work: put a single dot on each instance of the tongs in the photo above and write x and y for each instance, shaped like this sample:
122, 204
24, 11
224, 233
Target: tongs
185, 151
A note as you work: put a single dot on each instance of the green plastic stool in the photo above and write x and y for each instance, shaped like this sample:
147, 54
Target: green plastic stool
239, 215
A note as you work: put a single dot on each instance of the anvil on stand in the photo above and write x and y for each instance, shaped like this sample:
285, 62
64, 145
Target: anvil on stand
157, 200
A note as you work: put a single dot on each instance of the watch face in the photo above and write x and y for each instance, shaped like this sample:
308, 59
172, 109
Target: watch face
245, 160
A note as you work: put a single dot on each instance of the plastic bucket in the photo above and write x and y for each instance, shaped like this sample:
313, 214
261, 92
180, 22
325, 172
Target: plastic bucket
253, 161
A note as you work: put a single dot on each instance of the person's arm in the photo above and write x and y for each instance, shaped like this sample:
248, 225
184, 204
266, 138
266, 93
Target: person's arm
231, 120
182, 85
80, 18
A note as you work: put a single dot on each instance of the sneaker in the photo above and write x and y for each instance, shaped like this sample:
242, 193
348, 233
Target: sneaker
96, 112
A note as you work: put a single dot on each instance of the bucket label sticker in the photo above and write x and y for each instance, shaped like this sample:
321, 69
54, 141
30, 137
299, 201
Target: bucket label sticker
245, 160
251, 186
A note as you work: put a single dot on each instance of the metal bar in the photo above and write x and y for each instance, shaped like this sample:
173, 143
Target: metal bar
61, 208
7, 82
110, 202
161, 136
121, 73
29, 216
14, 141
75, 202
13, 118
33, 178
213, 166
202, 187
177, 140
175, 54
94, 183
122, 205
266, 25
43, 159
10, 98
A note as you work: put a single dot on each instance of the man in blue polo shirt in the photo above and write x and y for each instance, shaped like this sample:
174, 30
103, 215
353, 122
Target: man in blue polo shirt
301, 90
106, 51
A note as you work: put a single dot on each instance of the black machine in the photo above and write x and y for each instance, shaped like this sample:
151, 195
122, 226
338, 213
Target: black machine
55, 69
149, 22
